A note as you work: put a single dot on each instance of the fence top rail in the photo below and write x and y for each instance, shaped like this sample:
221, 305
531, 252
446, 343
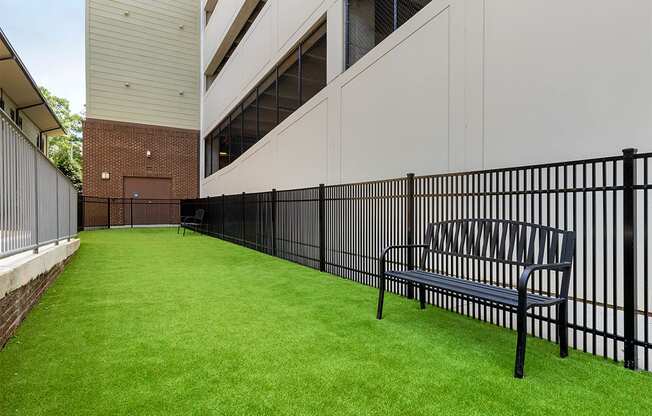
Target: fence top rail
40, 154
308, 188
90, 198
643, 155
551, 165
375, 182
526, 167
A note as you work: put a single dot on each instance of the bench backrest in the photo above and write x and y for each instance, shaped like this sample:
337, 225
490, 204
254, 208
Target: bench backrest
500, 241
199, 215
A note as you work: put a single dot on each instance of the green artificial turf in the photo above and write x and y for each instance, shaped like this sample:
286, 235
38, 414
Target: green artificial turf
145, 322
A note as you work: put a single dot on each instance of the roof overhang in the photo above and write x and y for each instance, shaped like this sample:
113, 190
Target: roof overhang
17, 83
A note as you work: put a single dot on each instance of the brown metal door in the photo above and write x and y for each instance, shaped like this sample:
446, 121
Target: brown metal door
151, 201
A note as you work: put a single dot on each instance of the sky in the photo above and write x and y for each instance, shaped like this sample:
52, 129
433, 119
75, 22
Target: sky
48, 35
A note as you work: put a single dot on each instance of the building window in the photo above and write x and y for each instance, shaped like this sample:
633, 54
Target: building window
215, 151
288, 85
313, 64
371, 21
299, 77
225, 146
267, 110
250, 115
235, 132
207, 157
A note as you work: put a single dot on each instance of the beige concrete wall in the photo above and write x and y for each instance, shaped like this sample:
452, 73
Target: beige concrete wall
463, 85
143, 61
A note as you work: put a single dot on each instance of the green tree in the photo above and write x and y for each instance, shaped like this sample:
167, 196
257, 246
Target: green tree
66, 151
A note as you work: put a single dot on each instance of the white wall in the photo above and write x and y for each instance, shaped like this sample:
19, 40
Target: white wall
463, 85
29, 128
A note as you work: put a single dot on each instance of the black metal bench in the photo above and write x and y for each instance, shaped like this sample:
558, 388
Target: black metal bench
527, 247
191, 221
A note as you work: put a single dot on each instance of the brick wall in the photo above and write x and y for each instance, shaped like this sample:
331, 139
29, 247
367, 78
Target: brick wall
15, 306
121, 149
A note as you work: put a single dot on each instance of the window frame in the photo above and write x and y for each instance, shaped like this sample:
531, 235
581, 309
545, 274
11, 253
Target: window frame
239, 109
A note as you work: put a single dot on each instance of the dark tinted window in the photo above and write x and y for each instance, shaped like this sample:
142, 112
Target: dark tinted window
267, 105
408, 8
236, 134
371, 21
215, 152
207, 156
313, 64
288, 86
294, 81
250, 132
225, 145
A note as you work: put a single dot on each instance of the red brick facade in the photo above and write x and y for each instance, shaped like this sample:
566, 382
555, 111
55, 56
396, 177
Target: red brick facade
121, 150
16, 305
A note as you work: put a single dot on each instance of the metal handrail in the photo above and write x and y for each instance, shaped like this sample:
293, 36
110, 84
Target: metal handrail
38, 203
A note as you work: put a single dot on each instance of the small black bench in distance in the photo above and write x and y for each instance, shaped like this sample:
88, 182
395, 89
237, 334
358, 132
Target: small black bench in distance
191, 221
527, 247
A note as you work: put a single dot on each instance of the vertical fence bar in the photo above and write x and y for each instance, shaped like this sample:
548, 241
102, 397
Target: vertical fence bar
131, 211
69, 213
409, 226
108, 213
322, 228
630, 270
36, 237
274, 199
57, 192
80, 213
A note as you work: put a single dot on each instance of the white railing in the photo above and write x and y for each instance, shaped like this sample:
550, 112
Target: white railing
38, 203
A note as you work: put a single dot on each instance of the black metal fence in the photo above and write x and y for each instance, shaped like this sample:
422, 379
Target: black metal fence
97, 212
342, 229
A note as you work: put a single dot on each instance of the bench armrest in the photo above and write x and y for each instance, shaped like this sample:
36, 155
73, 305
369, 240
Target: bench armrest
383, 256
559, 267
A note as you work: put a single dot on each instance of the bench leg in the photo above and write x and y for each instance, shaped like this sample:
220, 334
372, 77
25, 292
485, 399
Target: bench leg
422, 296
562, 328
178, 228
521, 338
184, 231
381, 298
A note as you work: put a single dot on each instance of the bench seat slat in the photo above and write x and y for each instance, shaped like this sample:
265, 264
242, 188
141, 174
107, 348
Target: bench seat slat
478, 290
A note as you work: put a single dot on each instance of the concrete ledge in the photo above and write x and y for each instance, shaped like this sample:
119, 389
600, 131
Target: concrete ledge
17, 271
24, 278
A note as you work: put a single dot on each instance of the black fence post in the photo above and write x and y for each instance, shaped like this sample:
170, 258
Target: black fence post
322, 227
80, 212
410, 229
131, 211
273, 222
243, 229
629, 257
108, 213
223, 215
